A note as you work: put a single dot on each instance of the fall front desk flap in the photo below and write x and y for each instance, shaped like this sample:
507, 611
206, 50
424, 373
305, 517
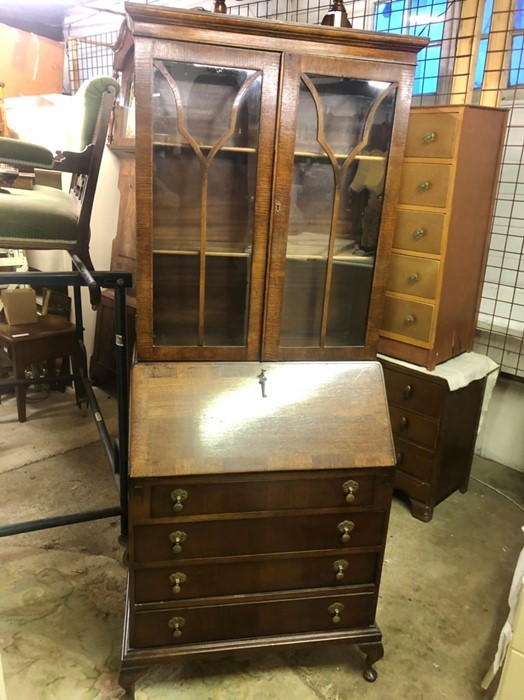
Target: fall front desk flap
216, 418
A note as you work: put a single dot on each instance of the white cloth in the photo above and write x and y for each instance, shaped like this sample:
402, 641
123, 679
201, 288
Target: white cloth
506, 634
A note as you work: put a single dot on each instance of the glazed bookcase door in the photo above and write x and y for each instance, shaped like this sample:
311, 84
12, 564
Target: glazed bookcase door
337, 128
204, 172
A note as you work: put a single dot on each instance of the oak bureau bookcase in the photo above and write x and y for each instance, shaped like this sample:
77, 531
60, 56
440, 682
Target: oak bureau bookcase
261, 456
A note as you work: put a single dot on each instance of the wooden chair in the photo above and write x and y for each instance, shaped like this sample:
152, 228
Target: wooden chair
47, 218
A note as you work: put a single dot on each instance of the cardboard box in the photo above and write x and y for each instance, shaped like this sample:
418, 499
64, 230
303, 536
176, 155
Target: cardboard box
19, 306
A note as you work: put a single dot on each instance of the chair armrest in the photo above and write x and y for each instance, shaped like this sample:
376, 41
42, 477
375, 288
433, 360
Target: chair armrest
24, 154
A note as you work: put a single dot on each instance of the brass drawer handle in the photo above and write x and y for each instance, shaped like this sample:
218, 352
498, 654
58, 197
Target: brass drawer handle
350, 488
339, 566
175, 580
175, 623
335, 610
429, 137
346, 527
413, 278
404, 423
176, 538
407, 393
178, 496
418, 233
409, 320
424, 186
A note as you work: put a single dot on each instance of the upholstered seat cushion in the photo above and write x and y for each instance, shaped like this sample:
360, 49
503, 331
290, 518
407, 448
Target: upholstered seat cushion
24, 153
44, 217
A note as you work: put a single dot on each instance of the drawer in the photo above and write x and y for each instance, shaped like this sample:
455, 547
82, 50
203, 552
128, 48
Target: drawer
411, 275
256, 535
415, 392
414, 460
432, 135
418, 230
189, 579
207, 623
180, 497
413, 426
412, 319
415, 489
425, 184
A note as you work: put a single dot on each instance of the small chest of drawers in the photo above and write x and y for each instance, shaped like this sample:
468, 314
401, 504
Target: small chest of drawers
256, 518
441, 237
434, 430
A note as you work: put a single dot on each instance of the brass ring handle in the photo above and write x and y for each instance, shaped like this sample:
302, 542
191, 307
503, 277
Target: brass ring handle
429, 137
424, 186
175, 623
176, 538
339, 566
407, 392
346, 527
335, 610
176, 580
350, 488
404, 423
413, 278
418, 233
178, 496
409, 319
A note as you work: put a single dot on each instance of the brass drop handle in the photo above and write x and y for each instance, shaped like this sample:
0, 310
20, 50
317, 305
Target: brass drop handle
175, 623
400, 458
409, 320
339, 566
350, 488
418, 233
424, 186
346, 527
176, 580
413, 278
176, 538
429, 137
407, 393
335, 610
404, 423
178, 496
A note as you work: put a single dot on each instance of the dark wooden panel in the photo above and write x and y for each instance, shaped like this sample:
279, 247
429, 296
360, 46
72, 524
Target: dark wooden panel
414, 391
413, 426
230, 577
232, 537
233, 621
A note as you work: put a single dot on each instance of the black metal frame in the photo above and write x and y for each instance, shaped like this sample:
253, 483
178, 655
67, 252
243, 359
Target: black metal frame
117, 452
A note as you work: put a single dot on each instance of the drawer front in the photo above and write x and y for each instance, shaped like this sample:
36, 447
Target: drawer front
412, 319
414, 460
412, 426
181, 497
203, 579
235, 537
425, 184
418, 230
415, 392
418, 490
411, 275
181, 625
432, 135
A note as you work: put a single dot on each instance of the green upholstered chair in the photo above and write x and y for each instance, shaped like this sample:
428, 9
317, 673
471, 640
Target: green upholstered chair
45, 218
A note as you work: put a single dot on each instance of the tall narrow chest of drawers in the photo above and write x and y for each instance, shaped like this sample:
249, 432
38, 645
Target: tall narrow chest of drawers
259, 505
441, 238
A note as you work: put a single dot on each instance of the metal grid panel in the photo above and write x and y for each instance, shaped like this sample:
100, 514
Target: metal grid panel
88, 57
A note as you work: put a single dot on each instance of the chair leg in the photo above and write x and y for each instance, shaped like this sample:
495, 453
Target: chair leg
95, 293
20, 391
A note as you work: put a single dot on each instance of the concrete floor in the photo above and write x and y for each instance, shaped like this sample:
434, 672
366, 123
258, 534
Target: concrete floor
443, 597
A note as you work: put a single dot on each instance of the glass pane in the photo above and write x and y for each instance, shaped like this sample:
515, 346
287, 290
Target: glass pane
205, 141
342, 146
